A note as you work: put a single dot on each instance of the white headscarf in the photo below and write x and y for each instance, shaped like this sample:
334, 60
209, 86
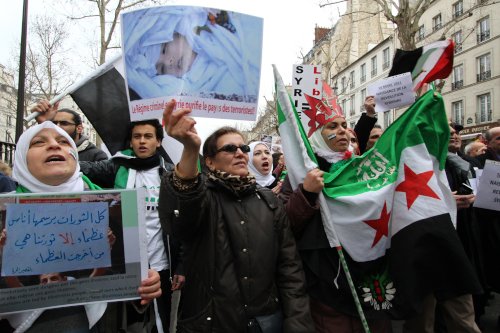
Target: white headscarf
262, 180
322, 149
23, 176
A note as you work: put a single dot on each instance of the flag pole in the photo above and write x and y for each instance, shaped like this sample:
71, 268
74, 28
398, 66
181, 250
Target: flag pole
291, 115
22, 73
77, 85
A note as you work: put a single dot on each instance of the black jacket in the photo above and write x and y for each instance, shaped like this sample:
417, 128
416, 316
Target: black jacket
87, 151
489, 222
234, 243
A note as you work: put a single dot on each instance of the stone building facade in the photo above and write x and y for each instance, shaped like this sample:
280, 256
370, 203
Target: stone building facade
471, 93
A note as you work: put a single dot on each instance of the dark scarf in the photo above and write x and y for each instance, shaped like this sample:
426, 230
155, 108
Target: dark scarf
237, 184
136, 163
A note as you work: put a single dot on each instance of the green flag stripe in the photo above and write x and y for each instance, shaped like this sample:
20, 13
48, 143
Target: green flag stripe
424, 122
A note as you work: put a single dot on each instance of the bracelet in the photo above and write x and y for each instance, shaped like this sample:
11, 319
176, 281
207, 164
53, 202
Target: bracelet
183, 184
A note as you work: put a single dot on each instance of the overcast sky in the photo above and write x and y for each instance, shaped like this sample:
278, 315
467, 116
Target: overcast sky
288, 30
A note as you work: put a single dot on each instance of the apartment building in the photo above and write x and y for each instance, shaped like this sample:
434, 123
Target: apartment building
473, 89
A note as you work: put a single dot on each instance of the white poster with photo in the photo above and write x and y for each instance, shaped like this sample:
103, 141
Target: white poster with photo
71, 249
208, 59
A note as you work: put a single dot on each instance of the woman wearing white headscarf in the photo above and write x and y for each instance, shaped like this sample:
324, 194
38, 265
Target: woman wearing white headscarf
332, 308
46, 160
260, 164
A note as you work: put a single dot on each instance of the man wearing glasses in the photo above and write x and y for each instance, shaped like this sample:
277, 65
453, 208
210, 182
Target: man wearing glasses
70, 121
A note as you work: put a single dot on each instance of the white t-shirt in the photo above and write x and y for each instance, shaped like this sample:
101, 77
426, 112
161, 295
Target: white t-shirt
150, 181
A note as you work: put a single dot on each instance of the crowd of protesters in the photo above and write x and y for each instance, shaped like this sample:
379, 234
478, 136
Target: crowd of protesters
247, 252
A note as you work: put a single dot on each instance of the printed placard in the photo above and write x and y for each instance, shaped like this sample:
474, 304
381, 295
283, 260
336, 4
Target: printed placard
392, 92
488, 192
306, 80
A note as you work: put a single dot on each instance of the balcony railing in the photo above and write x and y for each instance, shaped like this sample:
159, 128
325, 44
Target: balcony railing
458, 47
436, 27
457, 85
483, 36
458, 13
483, 76
459, 120
7, 150
482, 116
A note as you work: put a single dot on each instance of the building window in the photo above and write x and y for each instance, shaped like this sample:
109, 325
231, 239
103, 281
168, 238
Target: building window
483, 30
484, 104
387, 118
387, 58
420, 33
458, 9
351, 79
483, 67
457, 112
353, 105
344, 106
436, 22
457, 77
362, 77
9, 121
342, 82
363, 96
374, 66
457, 38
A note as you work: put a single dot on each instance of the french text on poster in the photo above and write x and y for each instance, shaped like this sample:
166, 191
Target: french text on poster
392, 92
306, 80
488, 194
200, 107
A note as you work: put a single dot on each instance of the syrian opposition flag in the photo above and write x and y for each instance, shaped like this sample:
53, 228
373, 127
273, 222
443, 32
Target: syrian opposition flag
102, 97
392, 211
426, 63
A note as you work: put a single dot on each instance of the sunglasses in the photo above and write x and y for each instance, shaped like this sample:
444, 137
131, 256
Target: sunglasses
62, 123
230, 148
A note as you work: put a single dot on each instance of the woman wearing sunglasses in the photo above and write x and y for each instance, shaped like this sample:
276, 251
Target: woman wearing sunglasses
242, 266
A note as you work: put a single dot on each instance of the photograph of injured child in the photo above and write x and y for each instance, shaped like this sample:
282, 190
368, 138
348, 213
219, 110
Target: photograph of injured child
173, 51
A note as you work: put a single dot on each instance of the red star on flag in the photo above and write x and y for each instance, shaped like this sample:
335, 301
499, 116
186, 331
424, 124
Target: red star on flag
415, 185
381, 225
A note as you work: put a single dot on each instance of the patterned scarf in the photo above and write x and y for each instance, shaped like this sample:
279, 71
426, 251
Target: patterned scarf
238, 184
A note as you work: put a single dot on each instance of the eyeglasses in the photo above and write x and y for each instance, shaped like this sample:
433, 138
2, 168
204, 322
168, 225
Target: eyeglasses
230, 148
62, 123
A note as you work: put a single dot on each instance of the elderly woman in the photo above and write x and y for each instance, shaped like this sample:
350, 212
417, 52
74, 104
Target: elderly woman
241, 260
46, 160
332, 308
